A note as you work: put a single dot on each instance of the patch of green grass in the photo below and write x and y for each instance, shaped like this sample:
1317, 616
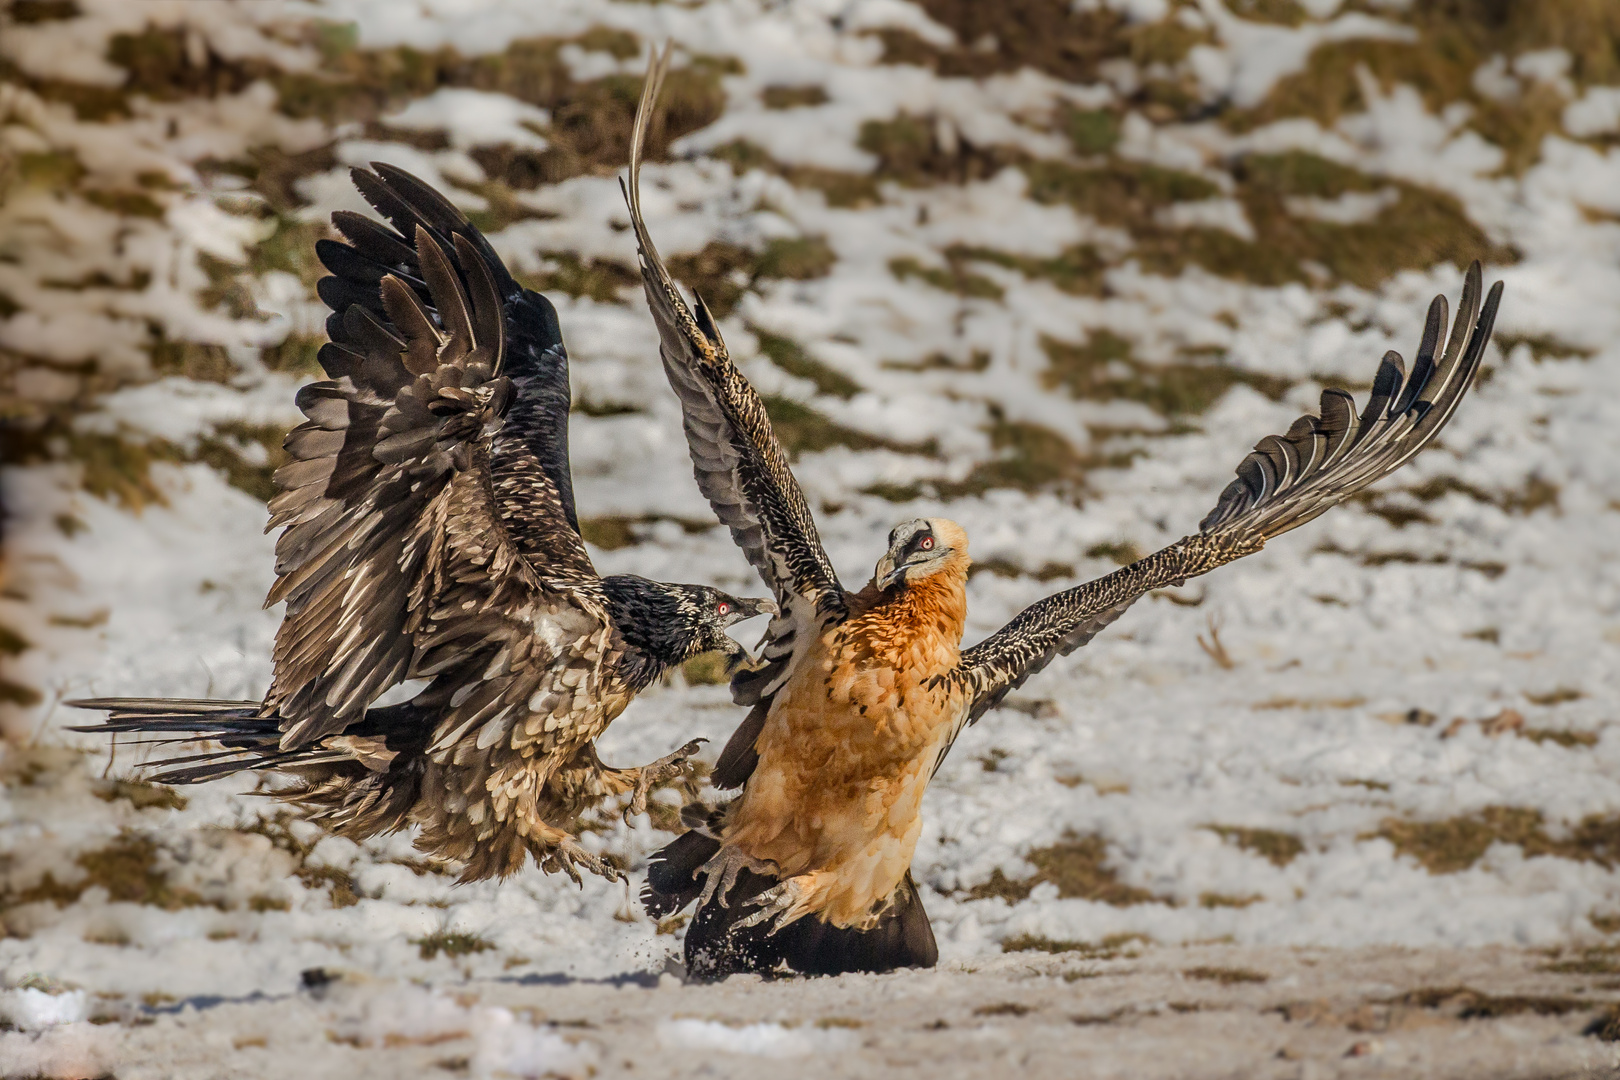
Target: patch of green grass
1068, 42
289, 247
792, 358
1278, 848
450, 944
14, 693
141, 794
950, 278
1119, 552
1076, 867
1535, 494
338, 884
795, 258
1092, 131
124, 203
1029, 457
120, 469
590, 119
1595, 960
1567, 739
30, 12
1279, 12
1006, 568
722, 272
600, 279
1543, 347
802, 430
1454, 844
127, 868
1105, 368
297, 354
1108, 948
778, 96
1467, 1003
614, 531
848, 190
1077, 270
909, 150
13, 643
1226, 976
1454, 38
1116, 192
229, 450
1226, 900
1420, 228
52, 170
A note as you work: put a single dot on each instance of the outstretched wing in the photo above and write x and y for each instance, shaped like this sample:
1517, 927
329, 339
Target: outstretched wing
440, 368
1285, 482
740, 466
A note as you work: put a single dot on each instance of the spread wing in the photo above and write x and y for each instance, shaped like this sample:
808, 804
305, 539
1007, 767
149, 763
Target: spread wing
1285, 482
444, 412
740, 466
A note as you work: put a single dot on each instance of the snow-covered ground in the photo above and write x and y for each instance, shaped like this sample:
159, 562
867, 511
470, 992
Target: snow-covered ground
1045, 301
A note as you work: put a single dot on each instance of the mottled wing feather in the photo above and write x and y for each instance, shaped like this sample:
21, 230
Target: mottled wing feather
740, 467
1284, 483
433, 375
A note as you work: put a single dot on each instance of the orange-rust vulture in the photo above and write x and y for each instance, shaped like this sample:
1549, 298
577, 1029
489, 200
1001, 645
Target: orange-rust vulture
860, 695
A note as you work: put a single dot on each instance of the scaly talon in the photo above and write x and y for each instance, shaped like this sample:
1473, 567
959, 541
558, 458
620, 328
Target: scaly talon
568, 856
776, 905
722, 871
658, 771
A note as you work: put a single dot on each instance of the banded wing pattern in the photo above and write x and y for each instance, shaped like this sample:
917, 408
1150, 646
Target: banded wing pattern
740, 466
401, 412
1283, 483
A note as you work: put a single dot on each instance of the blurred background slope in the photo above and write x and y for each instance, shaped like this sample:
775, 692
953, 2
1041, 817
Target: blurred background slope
1048, 267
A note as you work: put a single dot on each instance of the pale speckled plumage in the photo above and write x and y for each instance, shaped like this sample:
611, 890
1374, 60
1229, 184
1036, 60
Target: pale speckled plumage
861, 696
429, 532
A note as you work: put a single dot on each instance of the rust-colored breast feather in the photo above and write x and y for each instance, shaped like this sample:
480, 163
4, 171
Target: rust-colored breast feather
848, 748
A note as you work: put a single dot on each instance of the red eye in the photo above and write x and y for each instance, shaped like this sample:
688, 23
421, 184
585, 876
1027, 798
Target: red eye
926, 543
723, 608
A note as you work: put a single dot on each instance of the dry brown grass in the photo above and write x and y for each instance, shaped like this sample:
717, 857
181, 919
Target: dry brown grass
1077, 867
1226, 976
1110, 947
1277, 848
1454, 844
127, 868
1454, 38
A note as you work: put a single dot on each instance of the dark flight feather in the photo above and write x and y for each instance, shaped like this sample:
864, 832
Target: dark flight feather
1284, 483
429, 532
740, 466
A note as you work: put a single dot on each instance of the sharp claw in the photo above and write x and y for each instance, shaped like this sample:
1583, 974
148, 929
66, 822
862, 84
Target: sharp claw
775, 905
664, 767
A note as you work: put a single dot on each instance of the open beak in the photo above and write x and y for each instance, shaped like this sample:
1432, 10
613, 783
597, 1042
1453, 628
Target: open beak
886, 575
758, 607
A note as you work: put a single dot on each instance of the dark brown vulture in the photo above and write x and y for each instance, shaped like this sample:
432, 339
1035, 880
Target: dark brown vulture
429, 533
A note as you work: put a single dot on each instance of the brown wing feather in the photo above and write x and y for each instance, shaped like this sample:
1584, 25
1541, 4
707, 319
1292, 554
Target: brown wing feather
740, 467
416, 399
1284, 483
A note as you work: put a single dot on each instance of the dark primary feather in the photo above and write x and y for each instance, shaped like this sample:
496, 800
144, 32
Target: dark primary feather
437, 350
429, 533
1284, 483
739, 464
